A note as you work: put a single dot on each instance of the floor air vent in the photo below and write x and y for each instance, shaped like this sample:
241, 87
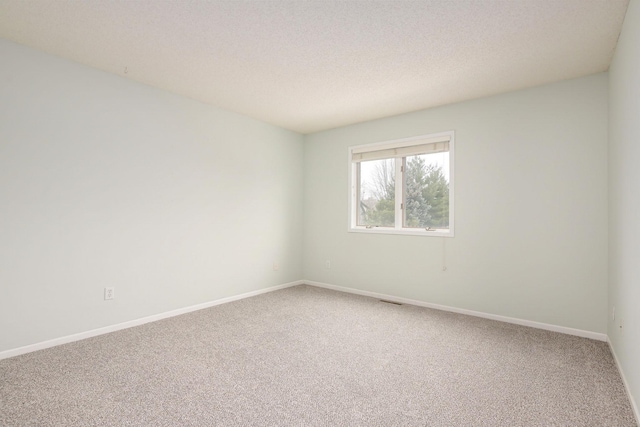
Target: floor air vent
390, 302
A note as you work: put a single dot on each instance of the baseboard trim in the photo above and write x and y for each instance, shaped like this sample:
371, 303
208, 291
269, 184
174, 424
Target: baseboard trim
129, 324
530, 323
634, 407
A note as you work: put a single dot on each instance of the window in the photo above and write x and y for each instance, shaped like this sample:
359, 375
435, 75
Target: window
403, 186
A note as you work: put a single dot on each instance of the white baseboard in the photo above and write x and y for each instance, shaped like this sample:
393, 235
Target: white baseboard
530, 323
112, 328
634, 406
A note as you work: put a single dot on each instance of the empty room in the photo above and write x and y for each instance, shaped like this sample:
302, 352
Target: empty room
319, 213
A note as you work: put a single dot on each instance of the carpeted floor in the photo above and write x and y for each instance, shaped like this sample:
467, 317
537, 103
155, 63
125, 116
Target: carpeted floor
306, 356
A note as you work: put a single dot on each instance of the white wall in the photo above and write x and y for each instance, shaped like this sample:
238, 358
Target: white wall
624, 198
106, 182
530, 209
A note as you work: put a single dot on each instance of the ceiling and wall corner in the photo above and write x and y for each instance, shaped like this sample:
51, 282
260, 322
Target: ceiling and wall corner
315, 65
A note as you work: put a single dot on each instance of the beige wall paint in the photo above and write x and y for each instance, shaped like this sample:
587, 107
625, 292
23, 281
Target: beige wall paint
107, 182
624, 197
530, 209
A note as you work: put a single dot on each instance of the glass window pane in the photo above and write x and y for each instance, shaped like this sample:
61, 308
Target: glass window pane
376, 193
426, 186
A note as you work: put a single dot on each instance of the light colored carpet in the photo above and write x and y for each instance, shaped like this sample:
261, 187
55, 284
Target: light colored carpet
306, 356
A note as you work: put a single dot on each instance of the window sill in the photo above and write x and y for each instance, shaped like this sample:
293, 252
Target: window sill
403, 232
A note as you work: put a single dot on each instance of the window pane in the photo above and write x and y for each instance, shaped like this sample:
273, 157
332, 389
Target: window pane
376, 193
426, 198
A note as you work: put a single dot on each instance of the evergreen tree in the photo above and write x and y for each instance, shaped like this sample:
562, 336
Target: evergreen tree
427, 195
436, 192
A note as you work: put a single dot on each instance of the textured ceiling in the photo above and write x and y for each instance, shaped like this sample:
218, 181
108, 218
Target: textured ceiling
314, 65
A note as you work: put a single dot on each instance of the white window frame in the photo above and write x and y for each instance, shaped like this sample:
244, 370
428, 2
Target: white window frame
397, 145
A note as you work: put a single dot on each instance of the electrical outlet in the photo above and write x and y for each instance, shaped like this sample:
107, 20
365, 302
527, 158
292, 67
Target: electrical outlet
327, 264
276, 266
109, 293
